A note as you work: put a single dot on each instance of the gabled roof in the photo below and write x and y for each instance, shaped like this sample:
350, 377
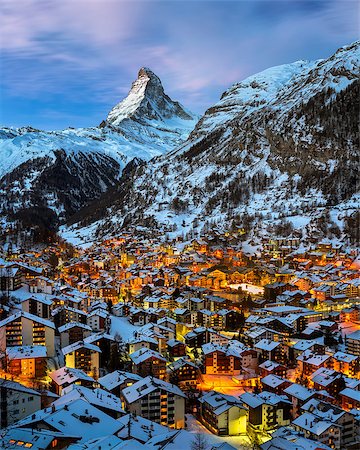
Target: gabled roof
144, 354
68, 375
26, 315
15, 386
148, 385
26, 352
78, 418
70, 325
116, 378
96, 397
80, 344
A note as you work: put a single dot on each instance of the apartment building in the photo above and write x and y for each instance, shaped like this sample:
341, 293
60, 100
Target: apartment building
16, 402
23, 328
222, 414
156, 400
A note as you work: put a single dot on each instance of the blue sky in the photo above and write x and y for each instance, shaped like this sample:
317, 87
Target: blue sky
66, 63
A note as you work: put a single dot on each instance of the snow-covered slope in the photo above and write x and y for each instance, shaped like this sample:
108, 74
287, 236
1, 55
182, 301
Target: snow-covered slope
145, 124
279, 150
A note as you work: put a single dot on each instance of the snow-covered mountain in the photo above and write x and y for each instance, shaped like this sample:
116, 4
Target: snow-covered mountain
63, 170
278, 152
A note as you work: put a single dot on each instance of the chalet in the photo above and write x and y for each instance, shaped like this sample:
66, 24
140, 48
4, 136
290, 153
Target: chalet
197, 337
176, 348
270, 350
326, 423
141, 341
275, 384
346, 363
328, 380
272, 290
353, 343
28, 361
228, 359
107, 345
184, 373
272, 368
65, 314
38, 305
267, 411
310, 362
98, 320
84, 356
10, 279
73, 332
118, 380
350, 399
148, 362
66, 376
298, 395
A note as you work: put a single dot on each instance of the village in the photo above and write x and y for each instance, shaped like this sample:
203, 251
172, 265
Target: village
134, 343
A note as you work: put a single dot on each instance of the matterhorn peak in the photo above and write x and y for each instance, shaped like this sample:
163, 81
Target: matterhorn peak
147, 101
148, 74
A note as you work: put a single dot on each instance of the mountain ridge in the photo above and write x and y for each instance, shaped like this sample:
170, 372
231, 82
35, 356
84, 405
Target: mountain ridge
90, 160
274, 149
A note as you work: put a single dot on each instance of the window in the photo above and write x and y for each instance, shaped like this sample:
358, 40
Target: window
30, 399
15, 402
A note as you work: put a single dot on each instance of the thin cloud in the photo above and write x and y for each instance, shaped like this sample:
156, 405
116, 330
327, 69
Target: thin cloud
88, 52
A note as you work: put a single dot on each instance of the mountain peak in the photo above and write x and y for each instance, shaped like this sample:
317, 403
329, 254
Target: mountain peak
147, 101
145, 72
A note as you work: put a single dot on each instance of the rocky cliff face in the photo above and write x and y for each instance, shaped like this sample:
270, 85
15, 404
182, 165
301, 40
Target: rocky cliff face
62, 171
279, 152
147, 102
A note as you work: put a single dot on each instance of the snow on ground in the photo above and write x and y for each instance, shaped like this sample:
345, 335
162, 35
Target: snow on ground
79, 237
299, 221
194, 426
122, 327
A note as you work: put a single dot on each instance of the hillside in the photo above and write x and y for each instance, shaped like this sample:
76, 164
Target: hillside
278, 154
59, 172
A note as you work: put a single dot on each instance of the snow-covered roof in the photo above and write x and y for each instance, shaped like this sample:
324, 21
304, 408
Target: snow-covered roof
148, 385
70, 325
96, 397
80, 344
26, 315
116, 378
345, 357
78, 418
300, 392
15, 386
312, 423
26, 352
351, 393
68, 375
267, 345
312, 358
273, 380
143, 354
